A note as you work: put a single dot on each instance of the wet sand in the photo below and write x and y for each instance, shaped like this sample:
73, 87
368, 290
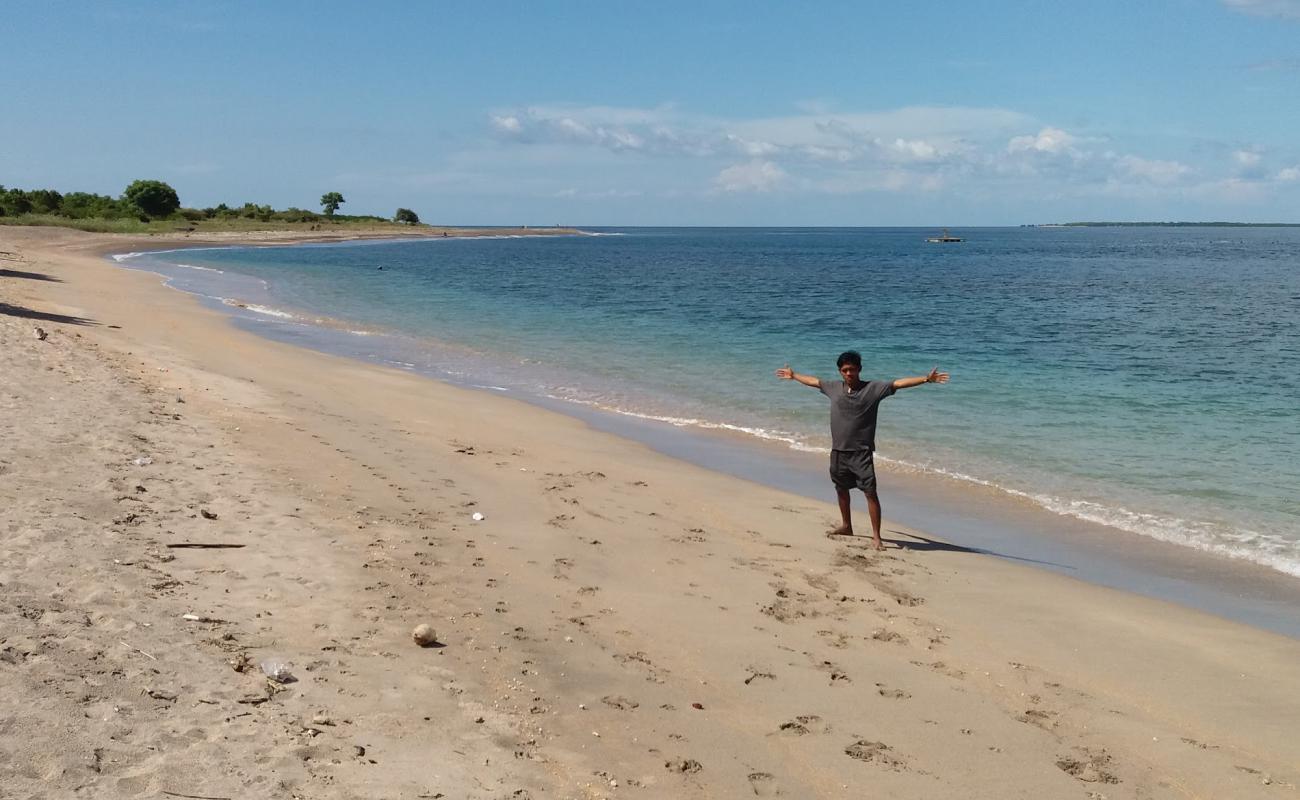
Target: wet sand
619, 623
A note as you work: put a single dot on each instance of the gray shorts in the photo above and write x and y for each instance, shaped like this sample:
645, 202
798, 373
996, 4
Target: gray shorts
853, 469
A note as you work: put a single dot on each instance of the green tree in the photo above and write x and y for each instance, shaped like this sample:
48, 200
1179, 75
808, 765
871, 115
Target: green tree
406, 215
260, 213
15, 202
45, 201
330, 202
80, 205
154, 198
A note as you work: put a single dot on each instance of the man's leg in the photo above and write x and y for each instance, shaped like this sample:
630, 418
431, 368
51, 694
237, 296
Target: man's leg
846, 512
873, 508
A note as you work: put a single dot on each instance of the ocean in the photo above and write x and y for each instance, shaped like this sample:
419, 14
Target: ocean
1143, 379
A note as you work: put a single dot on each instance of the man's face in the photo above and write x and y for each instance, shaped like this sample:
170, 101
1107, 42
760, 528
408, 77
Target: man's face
850, 373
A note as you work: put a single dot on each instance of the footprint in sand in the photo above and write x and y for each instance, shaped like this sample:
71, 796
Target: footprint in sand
941, 668
875, 753
803, 725
764, 784
837, 674
884, 635
620, 702
756, 673
1089, 765
834, 639
867, 567
1040, 717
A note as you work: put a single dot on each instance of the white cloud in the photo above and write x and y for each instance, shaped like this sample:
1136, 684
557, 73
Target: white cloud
1249, 164
616, 129
752, 176
889, 180
1153, 171
919, 134
915, 149
908, 150
1231, 190
604, 194
1287, 9
1048, 140
926, 122
751, 147
507, 124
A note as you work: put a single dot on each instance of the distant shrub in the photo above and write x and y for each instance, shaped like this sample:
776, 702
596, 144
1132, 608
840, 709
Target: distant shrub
153, 206
154, 198
45, 201
220, 211
254, 211
84, 205
15, 202
292, 214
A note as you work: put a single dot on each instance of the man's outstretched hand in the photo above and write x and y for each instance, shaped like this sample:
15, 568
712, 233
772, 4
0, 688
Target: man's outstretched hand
785, 373
936, 376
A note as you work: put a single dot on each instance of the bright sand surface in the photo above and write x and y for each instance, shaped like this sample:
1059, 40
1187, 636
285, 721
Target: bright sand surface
620, 624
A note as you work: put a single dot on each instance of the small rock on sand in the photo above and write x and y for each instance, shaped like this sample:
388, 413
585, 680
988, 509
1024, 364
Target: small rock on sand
424, 635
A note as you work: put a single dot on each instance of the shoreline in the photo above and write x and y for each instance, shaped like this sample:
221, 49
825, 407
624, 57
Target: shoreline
620, 623
1236, 587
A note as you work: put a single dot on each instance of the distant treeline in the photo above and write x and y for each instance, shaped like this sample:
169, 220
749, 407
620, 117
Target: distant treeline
148, 200
1178, 225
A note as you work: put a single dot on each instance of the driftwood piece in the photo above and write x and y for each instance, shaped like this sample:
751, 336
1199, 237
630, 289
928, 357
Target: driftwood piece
206, 545
138, 650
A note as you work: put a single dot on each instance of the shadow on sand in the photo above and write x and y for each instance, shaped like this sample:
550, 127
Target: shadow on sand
10, 310
911, 541
31, 276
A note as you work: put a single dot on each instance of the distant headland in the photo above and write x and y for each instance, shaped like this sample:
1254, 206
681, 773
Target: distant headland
1164, 225
153, 207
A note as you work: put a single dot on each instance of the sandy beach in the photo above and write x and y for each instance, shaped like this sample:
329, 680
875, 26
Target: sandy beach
618, 623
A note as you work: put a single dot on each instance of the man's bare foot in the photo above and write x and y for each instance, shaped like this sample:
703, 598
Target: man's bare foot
877, 543
843, 530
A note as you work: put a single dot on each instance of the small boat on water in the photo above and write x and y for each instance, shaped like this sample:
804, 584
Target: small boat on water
945, 238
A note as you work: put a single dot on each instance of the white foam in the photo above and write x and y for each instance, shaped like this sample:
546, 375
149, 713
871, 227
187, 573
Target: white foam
692, 422
122, 256
1269, 550
270, 312
201, 269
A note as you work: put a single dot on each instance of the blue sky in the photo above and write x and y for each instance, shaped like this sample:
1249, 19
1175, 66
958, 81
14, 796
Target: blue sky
666, 113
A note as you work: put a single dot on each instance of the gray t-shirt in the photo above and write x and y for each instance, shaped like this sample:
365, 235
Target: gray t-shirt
853, 414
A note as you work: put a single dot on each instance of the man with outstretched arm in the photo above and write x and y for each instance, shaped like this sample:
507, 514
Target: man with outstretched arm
854, 403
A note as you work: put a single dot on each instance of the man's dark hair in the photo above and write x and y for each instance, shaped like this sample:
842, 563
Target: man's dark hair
849, 357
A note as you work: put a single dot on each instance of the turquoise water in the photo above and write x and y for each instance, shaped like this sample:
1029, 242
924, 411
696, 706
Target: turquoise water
1142, 378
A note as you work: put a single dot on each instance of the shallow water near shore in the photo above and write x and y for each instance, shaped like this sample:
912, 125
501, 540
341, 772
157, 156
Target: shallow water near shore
1100, 376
